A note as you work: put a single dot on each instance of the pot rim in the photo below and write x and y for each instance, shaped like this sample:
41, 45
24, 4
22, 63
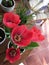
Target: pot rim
22, 52
8, 7
4, 37
9, 43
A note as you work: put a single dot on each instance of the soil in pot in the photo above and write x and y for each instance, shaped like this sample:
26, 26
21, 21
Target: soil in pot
2, 35
22, 50
10, 45
8, 3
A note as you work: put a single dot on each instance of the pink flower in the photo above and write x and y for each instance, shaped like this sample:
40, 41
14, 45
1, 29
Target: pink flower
11, 20
21, 36
12, 55
37, 36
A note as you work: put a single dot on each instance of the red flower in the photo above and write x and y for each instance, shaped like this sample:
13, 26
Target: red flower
21, 36
37, 36
11, 20
12, 55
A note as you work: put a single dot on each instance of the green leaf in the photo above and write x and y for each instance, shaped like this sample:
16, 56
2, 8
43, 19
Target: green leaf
7, 30
11, 44
32, 45
8, 36
21, 10
15, 46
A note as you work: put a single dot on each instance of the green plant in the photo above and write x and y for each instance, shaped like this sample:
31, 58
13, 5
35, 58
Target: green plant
21, 11
7, 3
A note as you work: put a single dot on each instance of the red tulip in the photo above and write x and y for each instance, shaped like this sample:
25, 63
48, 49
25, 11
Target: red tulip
12, 55
21, 36
11, 20
37, 36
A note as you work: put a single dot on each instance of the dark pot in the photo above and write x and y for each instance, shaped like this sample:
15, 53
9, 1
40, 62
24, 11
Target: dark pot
2, 35
8, 9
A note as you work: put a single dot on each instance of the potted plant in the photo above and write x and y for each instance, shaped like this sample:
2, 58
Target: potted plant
20, 36
25, 14
8, 5
10, 44
2, 35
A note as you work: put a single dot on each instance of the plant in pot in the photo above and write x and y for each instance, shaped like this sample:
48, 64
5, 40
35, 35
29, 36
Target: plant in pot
8, 5
23, 12
21, 38
26, 15
2, 35
10, 45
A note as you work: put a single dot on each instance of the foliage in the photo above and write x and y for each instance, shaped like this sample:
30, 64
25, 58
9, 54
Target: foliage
21, 11
8, 3
32, 45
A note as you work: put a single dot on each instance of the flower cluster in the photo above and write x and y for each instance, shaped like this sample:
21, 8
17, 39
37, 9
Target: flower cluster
20, 36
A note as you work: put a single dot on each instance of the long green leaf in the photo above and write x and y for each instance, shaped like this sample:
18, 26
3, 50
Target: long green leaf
32, 45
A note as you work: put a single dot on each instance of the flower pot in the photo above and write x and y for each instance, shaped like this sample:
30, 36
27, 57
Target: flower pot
8, 9
22, 50
2, 35
9, 44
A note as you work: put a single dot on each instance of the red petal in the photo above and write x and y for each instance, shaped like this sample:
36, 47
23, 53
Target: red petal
37, 36
13, 59
35, 29
18, 30
26, 36
11, 20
